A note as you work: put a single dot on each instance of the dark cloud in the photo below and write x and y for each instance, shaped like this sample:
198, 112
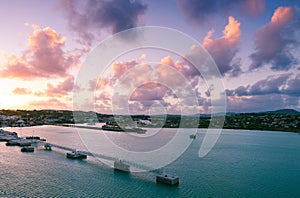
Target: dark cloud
258, 103
285, 84
203, 10
292, 86
90, 17
276, 40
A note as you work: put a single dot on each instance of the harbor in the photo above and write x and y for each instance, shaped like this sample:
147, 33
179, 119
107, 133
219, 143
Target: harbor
108, 127
29, 143
239, 166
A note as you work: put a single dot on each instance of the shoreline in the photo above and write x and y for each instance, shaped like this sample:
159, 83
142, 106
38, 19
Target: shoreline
99, 128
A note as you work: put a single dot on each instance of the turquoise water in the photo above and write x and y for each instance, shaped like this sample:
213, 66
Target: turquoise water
242, 164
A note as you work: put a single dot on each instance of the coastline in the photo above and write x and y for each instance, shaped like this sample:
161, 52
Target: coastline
241, 129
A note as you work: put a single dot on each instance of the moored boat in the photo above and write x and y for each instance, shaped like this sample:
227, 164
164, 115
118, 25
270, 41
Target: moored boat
27, 149
123, 129
12, 143
24, 143
111, 128
32, 137
76, 155
167, 179
47, 147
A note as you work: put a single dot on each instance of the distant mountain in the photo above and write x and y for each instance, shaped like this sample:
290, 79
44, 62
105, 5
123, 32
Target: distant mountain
284, 111
216, 114
280, 111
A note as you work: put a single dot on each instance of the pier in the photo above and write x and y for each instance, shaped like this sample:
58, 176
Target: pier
28, 144
124, 165
80, 126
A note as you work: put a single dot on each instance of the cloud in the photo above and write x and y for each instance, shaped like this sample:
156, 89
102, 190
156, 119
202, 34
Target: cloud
100, 84
150, 96
32, 25
258, 103
253, 8
204, 10
52, 103
45, 57
183, 66
224, 49
284, 84
274, 42
150, 91
21, 91
137, 83
291, 87
121, 68
61, 89
274, 92
88, 18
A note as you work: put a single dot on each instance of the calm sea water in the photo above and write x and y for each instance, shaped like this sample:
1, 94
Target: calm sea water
242, 164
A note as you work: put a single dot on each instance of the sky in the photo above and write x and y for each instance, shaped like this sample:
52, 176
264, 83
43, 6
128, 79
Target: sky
253, 43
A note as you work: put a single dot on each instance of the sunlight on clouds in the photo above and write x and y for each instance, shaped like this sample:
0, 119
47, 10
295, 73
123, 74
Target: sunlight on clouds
282, 15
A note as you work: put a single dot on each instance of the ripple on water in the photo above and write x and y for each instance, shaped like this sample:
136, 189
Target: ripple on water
242, 164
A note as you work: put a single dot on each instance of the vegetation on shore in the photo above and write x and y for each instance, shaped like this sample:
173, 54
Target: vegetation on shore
281, 120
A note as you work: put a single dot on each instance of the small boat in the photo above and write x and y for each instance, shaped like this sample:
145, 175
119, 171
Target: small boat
167, 179
193, 136
111, 128
76, 155
25, 143
47, 147
123, 129
33, 137
27, 149
12, 143
121, 166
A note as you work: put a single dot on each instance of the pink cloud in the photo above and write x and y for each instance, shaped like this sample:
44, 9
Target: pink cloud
100, 84
17, 67
121, 68
141, 85
61, 89
224, 49
186, 71
149, 91
45, 57
21, 91
52, 103
275, 40
253, 7
282, 16
103, 97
